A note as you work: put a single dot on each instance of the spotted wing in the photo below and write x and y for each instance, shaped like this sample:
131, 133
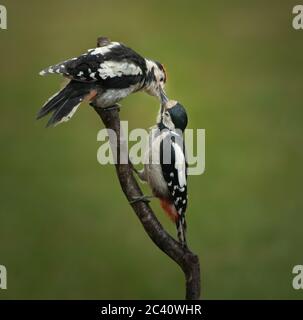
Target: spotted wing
114, 65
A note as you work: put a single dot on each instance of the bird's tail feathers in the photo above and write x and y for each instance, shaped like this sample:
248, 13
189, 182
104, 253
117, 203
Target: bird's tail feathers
65, 103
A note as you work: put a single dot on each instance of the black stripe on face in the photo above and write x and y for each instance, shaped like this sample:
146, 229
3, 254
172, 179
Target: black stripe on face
161, 67
150, 76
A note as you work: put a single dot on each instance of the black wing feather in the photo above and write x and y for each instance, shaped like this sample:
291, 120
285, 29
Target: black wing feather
178, 193
85, 67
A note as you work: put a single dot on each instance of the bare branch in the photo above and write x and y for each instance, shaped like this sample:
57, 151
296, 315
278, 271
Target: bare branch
188, 261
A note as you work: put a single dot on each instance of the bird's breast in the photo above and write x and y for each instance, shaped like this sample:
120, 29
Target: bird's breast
108, 97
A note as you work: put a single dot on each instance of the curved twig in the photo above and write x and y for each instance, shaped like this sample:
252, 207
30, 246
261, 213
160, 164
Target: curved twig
188, 261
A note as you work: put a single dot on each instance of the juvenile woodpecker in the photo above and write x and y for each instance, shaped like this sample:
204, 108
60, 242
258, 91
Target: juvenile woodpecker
104, 75
165, 168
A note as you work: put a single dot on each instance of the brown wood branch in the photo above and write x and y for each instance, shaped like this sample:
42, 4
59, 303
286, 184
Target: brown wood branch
188, 261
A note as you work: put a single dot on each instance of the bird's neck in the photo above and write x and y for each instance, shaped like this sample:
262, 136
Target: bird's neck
150, 78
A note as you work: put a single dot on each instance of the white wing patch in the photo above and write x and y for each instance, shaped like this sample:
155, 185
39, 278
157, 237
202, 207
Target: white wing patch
180, 164
111, 69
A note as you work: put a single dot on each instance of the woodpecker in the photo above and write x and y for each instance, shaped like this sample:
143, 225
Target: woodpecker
165, 168
104, 75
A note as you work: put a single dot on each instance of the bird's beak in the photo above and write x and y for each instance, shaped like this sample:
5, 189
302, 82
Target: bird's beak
164, 99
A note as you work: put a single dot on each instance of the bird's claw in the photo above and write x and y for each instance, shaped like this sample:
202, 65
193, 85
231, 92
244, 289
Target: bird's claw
114, 107
110, 108
145, 199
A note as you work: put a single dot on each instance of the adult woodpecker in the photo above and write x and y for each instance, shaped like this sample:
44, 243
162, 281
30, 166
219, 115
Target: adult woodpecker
105, 75
165, 167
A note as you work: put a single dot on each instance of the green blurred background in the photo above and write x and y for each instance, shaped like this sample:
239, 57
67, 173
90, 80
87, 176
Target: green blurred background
66, 230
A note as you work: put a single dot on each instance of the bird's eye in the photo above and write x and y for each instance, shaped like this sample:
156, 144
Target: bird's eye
166, 113
161, 79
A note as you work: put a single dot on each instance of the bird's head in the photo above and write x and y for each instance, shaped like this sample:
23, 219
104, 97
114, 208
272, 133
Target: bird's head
155, 80
173, 116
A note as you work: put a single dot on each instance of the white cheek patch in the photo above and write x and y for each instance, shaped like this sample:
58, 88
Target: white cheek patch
151, 65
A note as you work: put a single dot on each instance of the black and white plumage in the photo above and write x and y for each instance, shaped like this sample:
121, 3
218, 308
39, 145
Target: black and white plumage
165, 168
105, 74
